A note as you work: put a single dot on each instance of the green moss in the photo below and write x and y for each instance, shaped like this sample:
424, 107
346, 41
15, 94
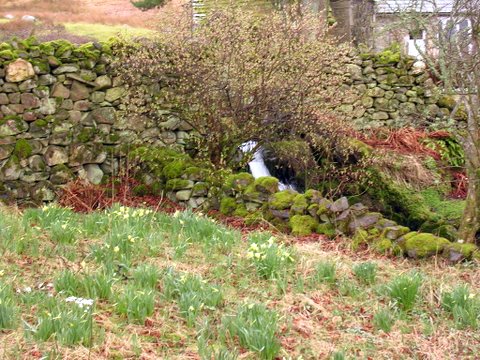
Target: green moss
23, 149
200, 187
8, 54
313, 195
85, 135
360, 147
326, 229
447, 101
228, 205
399, 203
47, 48
423, 245
241, 211
5, 46
448, 208
178, 184
303, 225
40, 123
62, 47
42, 65
282, 200
87, 50
240, 181
300, 204
267, 184
390, 55
383, 245
195, 173
468, 251
156, 188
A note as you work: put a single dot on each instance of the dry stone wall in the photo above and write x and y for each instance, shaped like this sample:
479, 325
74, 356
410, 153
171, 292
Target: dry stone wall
393, 90
61, 117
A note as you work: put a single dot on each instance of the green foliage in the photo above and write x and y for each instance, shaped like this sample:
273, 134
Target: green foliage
23, 149
68, 320
404, 290
255, 327
449, 149
192, 294
271, 260
136, 303
146, 276
8, 310
448, 208
366, 272
226, 111
148, 4
384, 320
325, 272
464, 306
390, 55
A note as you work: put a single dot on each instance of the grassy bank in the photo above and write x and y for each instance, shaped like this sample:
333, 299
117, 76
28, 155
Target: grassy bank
130, 283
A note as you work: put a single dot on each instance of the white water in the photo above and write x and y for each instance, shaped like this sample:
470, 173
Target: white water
257, 165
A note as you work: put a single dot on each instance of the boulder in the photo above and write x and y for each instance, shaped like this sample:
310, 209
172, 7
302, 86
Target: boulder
18, 71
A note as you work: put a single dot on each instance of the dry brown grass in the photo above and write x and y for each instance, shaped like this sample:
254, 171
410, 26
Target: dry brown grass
110, 12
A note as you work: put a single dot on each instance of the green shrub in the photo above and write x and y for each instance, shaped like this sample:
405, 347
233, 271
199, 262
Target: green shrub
148, 4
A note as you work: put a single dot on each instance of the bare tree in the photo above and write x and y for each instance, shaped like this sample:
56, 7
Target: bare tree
452, 55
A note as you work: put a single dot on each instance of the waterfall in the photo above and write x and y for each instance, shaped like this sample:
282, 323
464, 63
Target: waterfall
257, 165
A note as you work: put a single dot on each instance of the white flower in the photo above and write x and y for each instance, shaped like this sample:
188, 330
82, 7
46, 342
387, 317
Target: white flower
116, 249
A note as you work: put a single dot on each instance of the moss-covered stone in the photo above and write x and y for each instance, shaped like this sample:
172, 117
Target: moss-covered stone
282, 200
300, 204
458, 251
382, 245
423, 245
303, 225
241, 211
447, 102
228, 205
326, 229
23, 149
313, 196
195, 173
179, 184
200, 189
240, 181
266, 184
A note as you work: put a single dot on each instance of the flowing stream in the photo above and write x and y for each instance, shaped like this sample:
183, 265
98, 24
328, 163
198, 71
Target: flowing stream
257, 166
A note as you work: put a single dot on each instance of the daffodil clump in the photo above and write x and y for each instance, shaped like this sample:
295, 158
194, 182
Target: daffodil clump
269, 258
192, 293
125, 213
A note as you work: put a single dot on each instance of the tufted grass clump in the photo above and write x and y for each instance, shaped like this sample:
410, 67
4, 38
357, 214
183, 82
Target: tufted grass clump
255, 327
365, 272
463, 305
68, 321
8, 309
69, 283
135, 303
146, 276
384, 319
192, 294
404, 290
271, 260
325, 272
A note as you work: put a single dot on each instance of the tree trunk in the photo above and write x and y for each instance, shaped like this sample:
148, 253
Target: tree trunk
470, 224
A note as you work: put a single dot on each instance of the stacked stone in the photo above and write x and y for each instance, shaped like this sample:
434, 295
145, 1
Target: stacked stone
308, 213
61, 117
392, 91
